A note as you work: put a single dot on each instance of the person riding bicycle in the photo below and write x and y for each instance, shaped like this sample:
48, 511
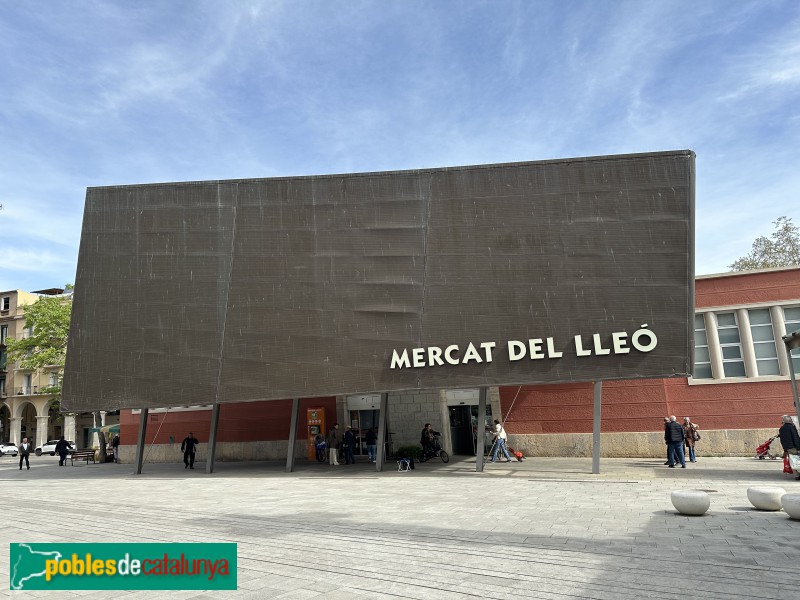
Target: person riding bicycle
428, 439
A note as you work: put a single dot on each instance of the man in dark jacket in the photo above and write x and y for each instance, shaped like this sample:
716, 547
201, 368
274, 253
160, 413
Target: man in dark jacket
115, 447
348, 443
188, 447
333, 444
62, 449
372, 444
673, 435
25, 449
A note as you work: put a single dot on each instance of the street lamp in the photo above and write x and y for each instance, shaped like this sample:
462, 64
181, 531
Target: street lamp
792, 341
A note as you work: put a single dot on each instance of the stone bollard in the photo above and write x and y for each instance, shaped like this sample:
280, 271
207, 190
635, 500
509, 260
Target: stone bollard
791, 505
690, 502
765, 498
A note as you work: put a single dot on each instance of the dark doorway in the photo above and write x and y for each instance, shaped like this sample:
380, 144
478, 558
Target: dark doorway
461, 430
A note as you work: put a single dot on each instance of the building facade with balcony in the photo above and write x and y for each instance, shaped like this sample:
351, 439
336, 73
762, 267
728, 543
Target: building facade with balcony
25, 410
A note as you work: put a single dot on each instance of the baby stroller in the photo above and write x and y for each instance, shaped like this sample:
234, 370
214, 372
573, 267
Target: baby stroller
763, 451
516, 453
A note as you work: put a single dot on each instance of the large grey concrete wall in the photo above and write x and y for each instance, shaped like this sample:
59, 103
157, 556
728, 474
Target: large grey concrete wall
227, 291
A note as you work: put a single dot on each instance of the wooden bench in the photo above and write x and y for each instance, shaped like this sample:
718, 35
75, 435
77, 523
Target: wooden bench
87, 455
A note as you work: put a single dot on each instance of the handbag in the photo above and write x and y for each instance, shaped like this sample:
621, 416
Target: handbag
696, 436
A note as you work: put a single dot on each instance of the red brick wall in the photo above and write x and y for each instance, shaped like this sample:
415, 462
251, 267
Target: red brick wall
627, 406
642, 405
749, 288
241, 422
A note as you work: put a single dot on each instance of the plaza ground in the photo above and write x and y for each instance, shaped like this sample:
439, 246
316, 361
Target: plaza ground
543, 528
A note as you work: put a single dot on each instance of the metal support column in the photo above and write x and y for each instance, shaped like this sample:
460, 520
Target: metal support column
792, 341
480, 430
212, 439
794, 389
292, 435
381, 454
140, 440
598, 387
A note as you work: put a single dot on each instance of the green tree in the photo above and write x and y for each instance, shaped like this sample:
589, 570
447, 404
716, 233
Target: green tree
47, 320
781, 249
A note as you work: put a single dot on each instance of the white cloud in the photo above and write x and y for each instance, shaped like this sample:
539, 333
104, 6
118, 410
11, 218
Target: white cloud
134, 92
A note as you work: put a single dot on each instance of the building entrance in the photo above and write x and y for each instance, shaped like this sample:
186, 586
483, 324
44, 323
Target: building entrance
461, 429
361, 421
465, 428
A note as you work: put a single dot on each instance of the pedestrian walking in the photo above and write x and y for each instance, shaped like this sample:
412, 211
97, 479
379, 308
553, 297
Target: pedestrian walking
333, 444
690, 436
372, 444
673, 435
115, 447
24, 452
189, 447
348, 443
790, 440
500, 438
62, 449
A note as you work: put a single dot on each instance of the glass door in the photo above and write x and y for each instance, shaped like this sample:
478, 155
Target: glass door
362, 421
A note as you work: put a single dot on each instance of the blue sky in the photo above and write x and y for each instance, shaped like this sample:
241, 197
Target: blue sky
107, 93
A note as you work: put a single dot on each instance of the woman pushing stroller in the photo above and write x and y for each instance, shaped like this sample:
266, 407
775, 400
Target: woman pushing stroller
790, 440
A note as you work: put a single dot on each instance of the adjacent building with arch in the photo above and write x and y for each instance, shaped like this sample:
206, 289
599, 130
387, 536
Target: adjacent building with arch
25, 409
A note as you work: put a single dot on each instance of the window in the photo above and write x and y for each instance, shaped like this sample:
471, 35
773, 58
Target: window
764, 342
53, 379
2, 386
730, 344
702, 359
6, 302
791, 316
3, 333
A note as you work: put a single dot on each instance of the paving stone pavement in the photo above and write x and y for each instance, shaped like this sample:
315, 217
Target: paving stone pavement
542, 528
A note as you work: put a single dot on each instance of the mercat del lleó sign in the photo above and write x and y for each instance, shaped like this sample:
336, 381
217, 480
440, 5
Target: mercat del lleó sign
642, 340
551, 271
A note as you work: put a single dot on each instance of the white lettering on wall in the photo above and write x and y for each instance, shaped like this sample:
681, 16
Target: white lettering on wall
643, 339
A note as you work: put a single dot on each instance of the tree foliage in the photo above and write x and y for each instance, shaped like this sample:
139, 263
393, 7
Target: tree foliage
47, 319
781, 249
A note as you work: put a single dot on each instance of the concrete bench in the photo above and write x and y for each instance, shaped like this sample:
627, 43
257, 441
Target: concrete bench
791, 505
765, 498
87, 455
690, 502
